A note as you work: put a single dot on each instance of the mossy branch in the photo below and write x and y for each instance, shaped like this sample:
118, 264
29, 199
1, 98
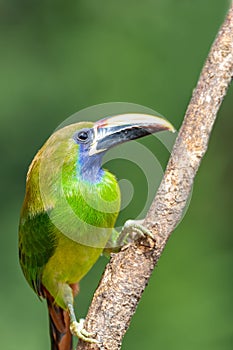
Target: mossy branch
128, 272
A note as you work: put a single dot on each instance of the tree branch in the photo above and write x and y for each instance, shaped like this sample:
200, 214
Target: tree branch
127, 273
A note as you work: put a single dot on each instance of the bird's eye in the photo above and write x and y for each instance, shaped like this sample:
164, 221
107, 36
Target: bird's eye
82, 136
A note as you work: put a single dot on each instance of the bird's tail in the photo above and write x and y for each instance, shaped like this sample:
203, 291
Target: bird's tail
59, 321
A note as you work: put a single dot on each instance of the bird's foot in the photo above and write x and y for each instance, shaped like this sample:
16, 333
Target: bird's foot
77, 329
133, 230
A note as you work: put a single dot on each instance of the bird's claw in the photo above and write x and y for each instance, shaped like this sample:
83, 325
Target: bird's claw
77, 329
133, 230
136, 226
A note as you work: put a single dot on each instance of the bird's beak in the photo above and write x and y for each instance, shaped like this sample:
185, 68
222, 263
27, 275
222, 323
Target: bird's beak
110, 132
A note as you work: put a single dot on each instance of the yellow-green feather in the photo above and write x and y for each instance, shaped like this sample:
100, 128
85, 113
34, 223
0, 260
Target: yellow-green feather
56, 242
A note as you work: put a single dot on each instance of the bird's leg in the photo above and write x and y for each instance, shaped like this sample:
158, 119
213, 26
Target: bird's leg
76, 328
131, 231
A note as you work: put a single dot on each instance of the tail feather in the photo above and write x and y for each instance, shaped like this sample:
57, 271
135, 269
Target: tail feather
61, 338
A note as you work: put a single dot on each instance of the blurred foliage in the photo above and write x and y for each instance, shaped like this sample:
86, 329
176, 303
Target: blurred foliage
58, 57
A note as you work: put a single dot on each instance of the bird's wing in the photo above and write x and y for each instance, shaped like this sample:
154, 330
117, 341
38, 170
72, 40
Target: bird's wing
37, 242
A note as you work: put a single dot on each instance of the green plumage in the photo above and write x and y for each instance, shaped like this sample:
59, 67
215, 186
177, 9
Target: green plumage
58, 210
69, 211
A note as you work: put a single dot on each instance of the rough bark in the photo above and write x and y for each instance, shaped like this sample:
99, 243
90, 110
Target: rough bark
127, 273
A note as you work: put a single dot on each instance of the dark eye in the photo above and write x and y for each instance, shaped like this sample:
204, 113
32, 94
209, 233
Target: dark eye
82, 135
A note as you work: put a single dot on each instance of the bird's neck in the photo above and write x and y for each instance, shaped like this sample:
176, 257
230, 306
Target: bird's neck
89, 167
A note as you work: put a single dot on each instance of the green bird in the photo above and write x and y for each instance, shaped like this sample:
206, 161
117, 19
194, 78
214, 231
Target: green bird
69, 211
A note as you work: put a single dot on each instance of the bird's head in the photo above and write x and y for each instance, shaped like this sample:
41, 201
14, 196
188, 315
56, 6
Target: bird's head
106, 133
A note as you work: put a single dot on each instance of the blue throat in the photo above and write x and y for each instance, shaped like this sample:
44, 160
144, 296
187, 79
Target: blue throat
89, 167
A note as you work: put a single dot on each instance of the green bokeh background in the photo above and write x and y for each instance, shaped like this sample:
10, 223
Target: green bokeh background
58, 57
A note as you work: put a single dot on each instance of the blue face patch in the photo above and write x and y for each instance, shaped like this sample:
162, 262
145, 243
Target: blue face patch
89, 167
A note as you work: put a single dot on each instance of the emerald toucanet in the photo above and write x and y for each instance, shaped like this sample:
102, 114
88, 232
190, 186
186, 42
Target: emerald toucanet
69, 211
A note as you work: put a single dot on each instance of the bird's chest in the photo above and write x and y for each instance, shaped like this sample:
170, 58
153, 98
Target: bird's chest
84, 219
86, 211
